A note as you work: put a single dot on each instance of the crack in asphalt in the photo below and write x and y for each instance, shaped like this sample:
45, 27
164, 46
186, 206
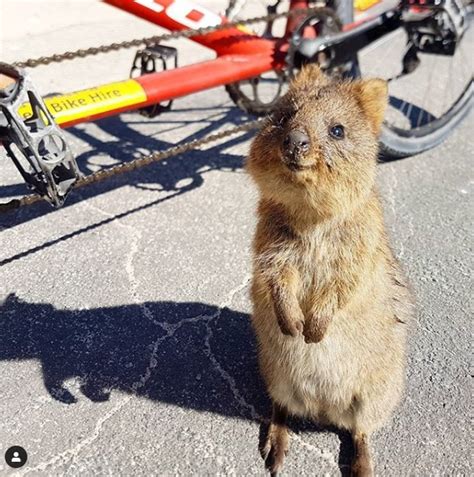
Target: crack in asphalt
74, 452
325, 454
170, 329
224, 374
135, 235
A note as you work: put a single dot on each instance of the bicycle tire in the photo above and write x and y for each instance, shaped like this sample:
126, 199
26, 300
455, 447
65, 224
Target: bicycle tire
396, 143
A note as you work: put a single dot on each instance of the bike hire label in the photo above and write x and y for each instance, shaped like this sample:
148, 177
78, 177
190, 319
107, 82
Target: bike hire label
91, 102
362, 5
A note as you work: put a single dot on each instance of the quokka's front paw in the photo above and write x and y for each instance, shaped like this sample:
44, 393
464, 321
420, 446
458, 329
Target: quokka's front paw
315, 329
291, 327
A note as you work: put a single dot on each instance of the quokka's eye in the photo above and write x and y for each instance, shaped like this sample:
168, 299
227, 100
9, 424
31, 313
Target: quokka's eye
337, 131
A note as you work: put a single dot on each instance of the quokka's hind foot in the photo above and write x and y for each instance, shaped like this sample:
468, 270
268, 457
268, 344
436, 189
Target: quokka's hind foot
276, 444
362, 463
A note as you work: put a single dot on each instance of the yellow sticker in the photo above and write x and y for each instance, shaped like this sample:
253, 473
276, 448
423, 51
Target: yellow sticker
363, 5
245, 29
91, 102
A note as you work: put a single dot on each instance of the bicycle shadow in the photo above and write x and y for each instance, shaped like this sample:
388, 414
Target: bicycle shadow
176, 175
119, 141
189, 354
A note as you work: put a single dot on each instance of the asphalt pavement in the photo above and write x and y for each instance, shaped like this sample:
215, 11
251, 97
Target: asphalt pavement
125, 342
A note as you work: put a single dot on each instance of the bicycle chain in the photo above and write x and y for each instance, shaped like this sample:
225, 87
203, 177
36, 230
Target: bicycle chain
174, 150
137, 163
82, 53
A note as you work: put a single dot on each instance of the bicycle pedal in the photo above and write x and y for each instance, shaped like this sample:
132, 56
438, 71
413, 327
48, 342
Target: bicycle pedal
434, 26
33, 141
151, 60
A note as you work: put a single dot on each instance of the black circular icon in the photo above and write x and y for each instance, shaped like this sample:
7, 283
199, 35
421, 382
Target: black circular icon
16, 456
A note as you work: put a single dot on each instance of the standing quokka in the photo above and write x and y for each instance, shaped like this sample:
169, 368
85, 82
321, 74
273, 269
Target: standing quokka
330, 302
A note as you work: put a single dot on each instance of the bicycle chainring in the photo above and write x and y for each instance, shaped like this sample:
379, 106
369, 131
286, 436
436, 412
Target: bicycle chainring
259, 95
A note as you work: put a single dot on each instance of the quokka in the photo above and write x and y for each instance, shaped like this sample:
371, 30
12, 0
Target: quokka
330, 304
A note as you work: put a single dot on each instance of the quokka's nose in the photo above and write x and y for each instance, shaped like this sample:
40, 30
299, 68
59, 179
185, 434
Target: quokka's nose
296, 142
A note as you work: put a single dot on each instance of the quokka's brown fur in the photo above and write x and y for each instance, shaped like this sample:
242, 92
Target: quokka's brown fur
331, 306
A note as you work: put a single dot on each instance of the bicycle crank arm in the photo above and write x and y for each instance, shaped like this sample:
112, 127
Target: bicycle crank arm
340, 47
32, 139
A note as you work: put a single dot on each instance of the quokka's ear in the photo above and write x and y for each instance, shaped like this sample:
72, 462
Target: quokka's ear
310, 78
373, 98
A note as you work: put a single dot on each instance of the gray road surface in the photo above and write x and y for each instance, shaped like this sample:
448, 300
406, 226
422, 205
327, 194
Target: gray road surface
125, 342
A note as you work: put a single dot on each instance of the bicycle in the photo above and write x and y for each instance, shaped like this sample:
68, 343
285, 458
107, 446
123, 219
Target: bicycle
427, 40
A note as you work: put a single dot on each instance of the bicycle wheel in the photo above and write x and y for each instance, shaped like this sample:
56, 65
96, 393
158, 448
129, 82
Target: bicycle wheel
258, 95
426, 104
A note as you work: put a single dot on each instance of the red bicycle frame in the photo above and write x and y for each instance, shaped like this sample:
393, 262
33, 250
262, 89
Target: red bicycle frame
241, 54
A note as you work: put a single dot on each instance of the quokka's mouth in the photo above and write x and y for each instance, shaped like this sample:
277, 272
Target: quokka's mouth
294, 164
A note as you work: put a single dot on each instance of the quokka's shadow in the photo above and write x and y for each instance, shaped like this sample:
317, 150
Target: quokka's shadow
180, 353
189, 354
